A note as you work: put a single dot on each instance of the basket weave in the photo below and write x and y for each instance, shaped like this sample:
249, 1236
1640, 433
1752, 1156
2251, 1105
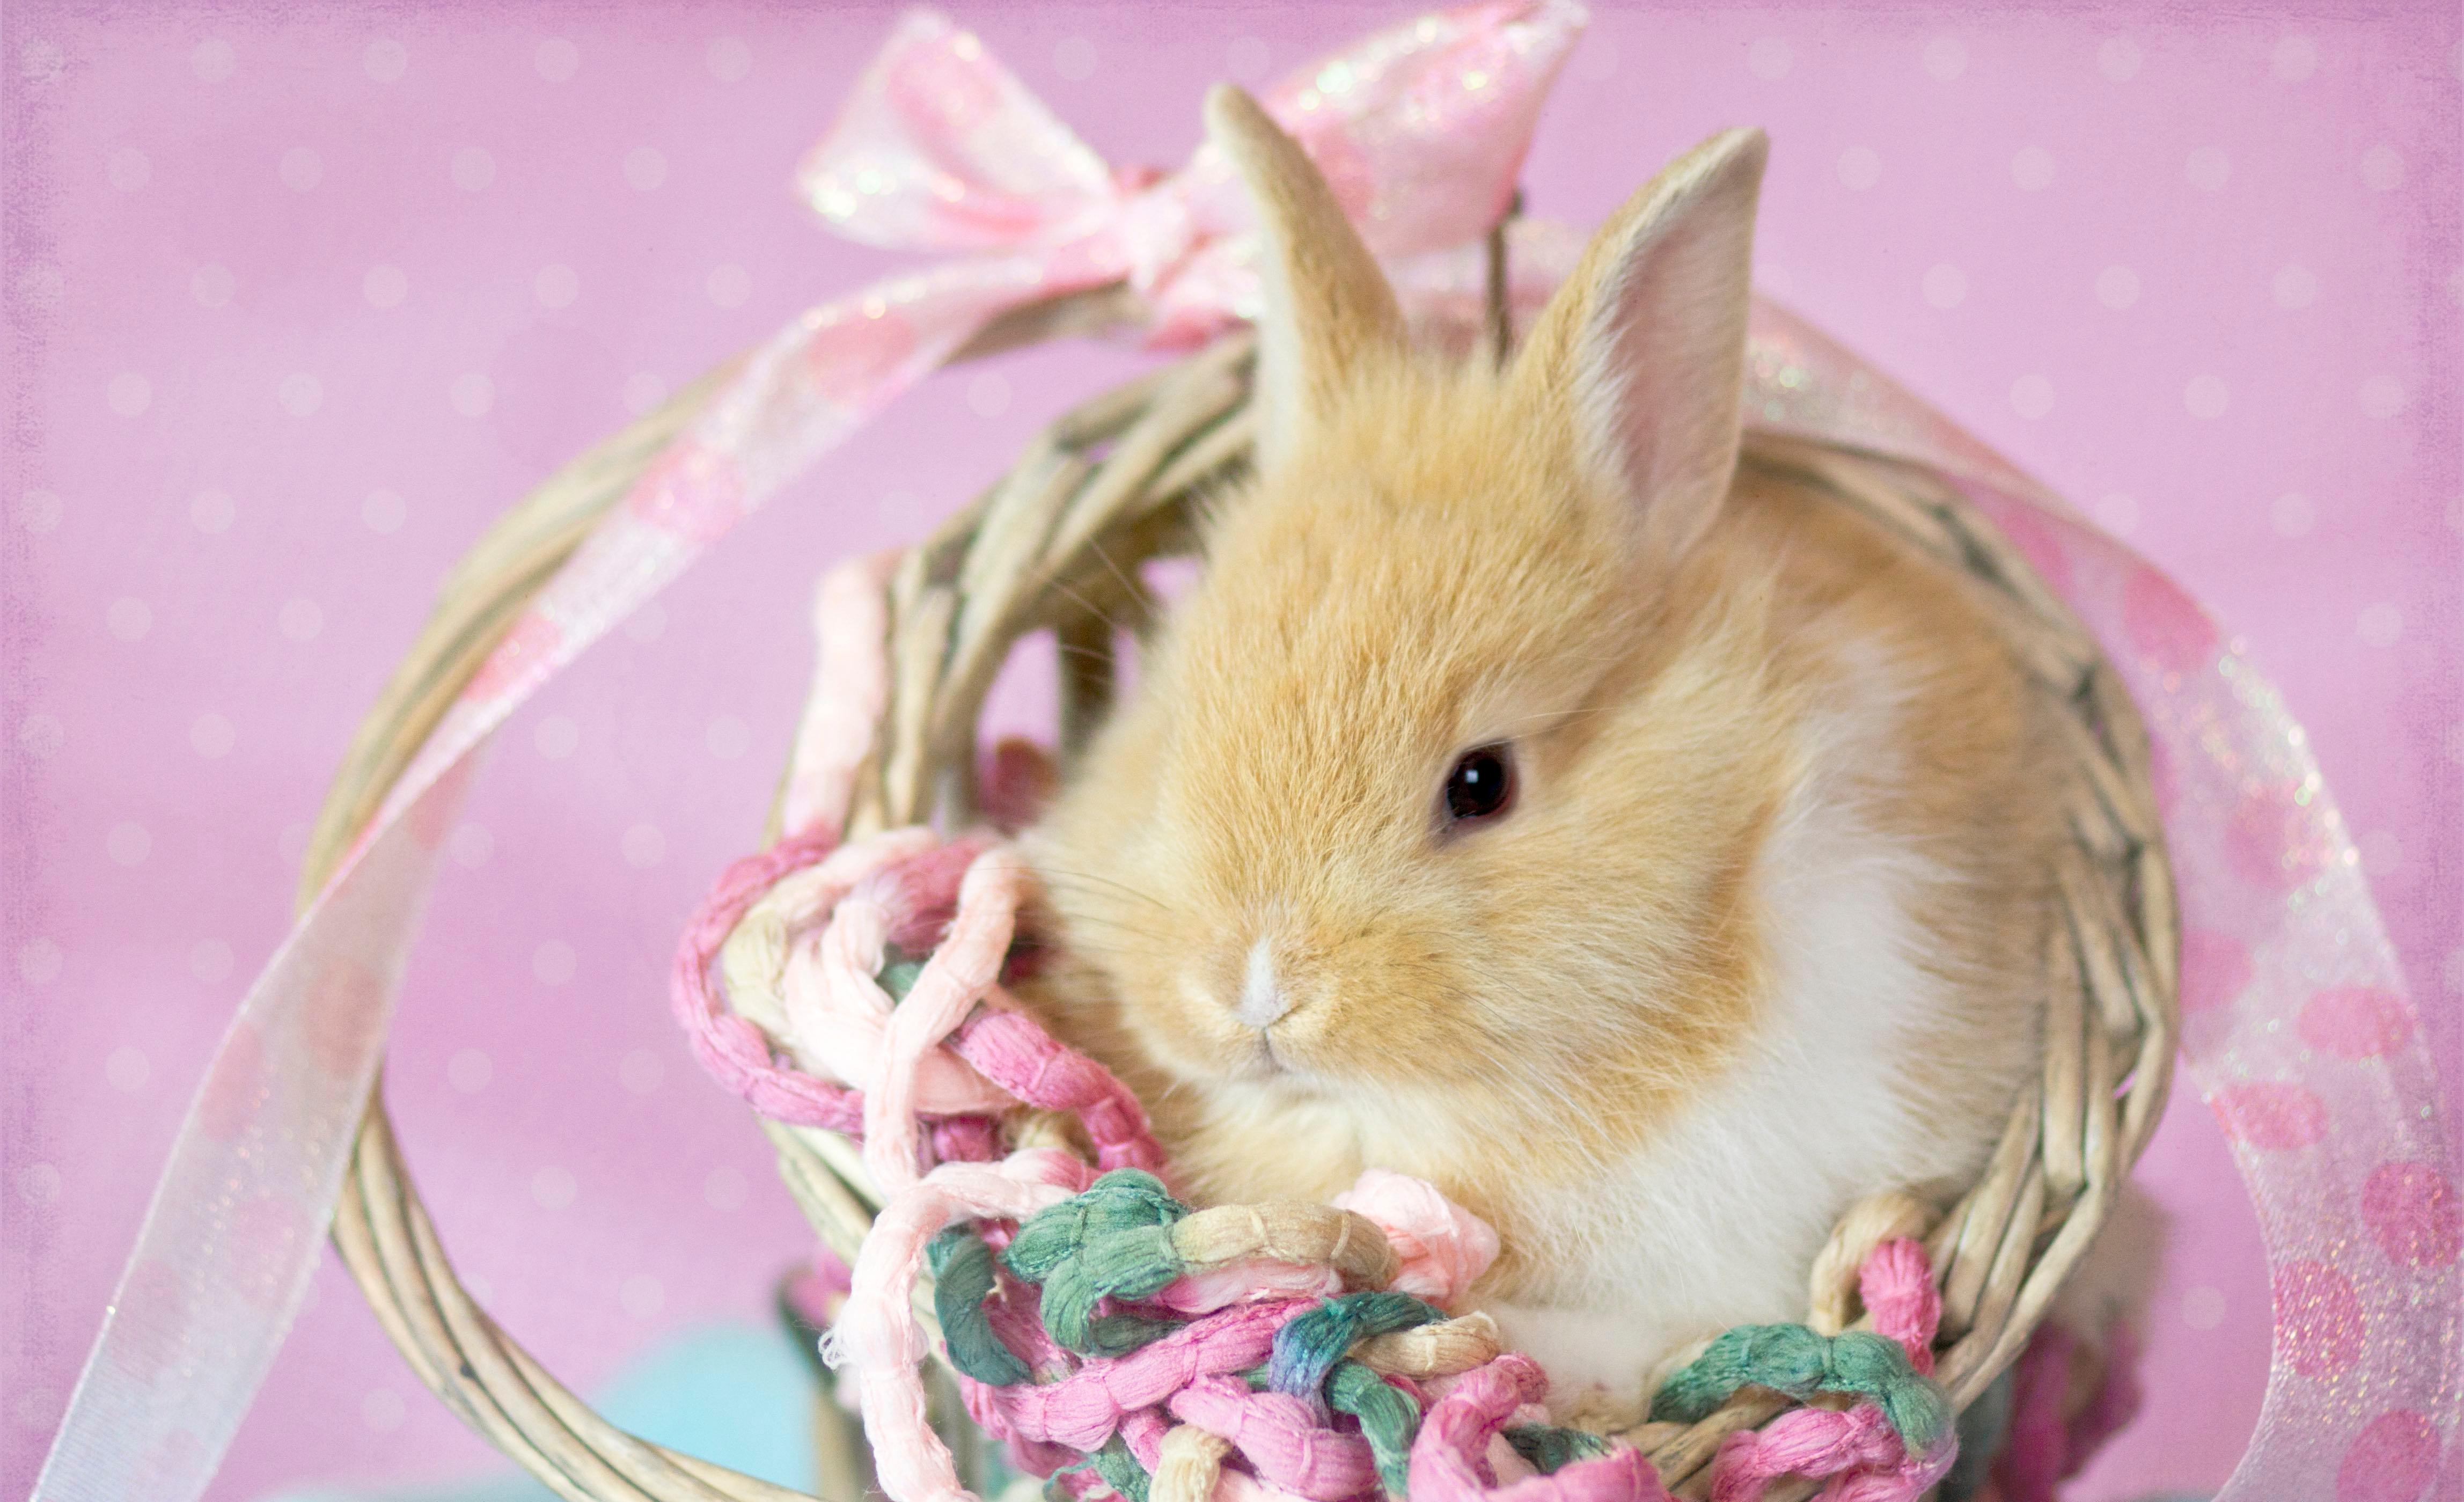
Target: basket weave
1054, 546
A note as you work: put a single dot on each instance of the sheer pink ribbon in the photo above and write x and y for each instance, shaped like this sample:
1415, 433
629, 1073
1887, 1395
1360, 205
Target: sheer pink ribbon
2300, 1033
1423, 124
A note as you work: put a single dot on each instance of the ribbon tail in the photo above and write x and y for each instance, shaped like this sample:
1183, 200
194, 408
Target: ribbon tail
230, 1241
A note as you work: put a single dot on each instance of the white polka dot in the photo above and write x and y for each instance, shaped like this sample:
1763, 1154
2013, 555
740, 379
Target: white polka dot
2119, 59
1769, 57
556, 286
1246, 59
129, 394
129, 170
129, 619
39, 961
38, 511
40, 1184
468, 1071
2382, 168
473, 169
2116, 287
2118, 513
1945, 57
2383, 397
1946, 286
301, 621
211, 286
2032, 396
384, 286
301, 394
36, 1407
383, 512
2208, 168
127, 1069
2451, 970
385, 60
212, 737
473, 394
553, 1188
1861, 167
2292, 515
1073, 58
728, 59
2206, 397
301, 170
2295, 287
553, 963
556, 737
2295, 59
641, 1072
729, 285
41, 285
211, 960
645, 167
2379, 624
212, 60
42, 737
557, 59
988, 394
41, 61
2203, 1308
643, 846
290, 842
2381, 852
1775, 279
383, 1410
724, 1189
648, 623
128, 844
642, 1296
727, 737
899, 509
643, 391
2032, 170
470, 844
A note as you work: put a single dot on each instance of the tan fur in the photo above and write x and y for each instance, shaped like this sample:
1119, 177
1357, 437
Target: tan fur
1439, 558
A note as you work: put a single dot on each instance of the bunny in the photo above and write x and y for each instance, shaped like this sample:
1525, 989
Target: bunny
1542, 794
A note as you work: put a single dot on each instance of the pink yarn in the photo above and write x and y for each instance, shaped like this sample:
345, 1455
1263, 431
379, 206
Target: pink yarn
1084, 1409
2042, 1449
850, 687
878, 1339
1444, 1248
1858, 1449
1280, 1435
1447, 1457
1007, 1048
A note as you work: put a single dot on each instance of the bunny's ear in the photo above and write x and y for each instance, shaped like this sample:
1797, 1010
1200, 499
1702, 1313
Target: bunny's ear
1644, 347
1329, 308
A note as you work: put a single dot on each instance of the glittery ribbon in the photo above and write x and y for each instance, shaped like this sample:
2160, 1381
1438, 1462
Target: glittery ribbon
2298, 1030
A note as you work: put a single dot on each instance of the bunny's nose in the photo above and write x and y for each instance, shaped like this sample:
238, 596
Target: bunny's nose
1264, 999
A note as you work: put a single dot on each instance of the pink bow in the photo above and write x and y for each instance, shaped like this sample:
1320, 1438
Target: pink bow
1421, 129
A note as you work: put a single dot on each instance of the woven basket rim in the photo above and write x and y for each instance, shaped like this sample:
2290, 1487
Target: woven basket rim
1116, 475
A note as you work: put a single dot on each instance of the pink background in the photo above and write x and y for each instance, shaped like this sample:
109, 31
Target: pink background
294, 309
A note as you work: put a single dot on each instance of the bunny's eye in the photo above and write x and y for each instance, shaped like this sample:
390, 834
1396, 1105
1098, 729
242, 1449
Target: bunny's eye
1481, 785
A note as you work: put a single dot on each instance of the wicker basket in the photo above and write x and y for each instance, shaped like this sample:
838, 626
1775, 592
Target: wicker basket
1054, 546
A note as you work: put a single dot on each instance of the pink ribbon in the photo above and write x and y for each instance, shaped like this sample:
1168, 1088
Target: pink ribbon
2300, 1034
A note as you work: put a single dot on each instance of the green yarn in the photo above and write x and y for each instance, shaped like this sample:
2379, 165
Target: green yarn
1794, 1360
1120, 1470
1112, 1241
898, 975
962, 1280
1309, 1344
1545, 1449
1389, 1418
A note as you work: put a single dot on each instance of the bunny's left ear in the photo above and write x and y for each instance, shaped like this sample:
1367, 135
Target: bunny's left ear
1643, 349
1329, 308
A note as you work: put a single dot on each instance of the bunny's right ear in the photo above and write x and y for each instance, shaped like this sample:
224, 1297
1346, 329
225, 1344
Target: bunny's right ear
1644, 346
1329, 308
